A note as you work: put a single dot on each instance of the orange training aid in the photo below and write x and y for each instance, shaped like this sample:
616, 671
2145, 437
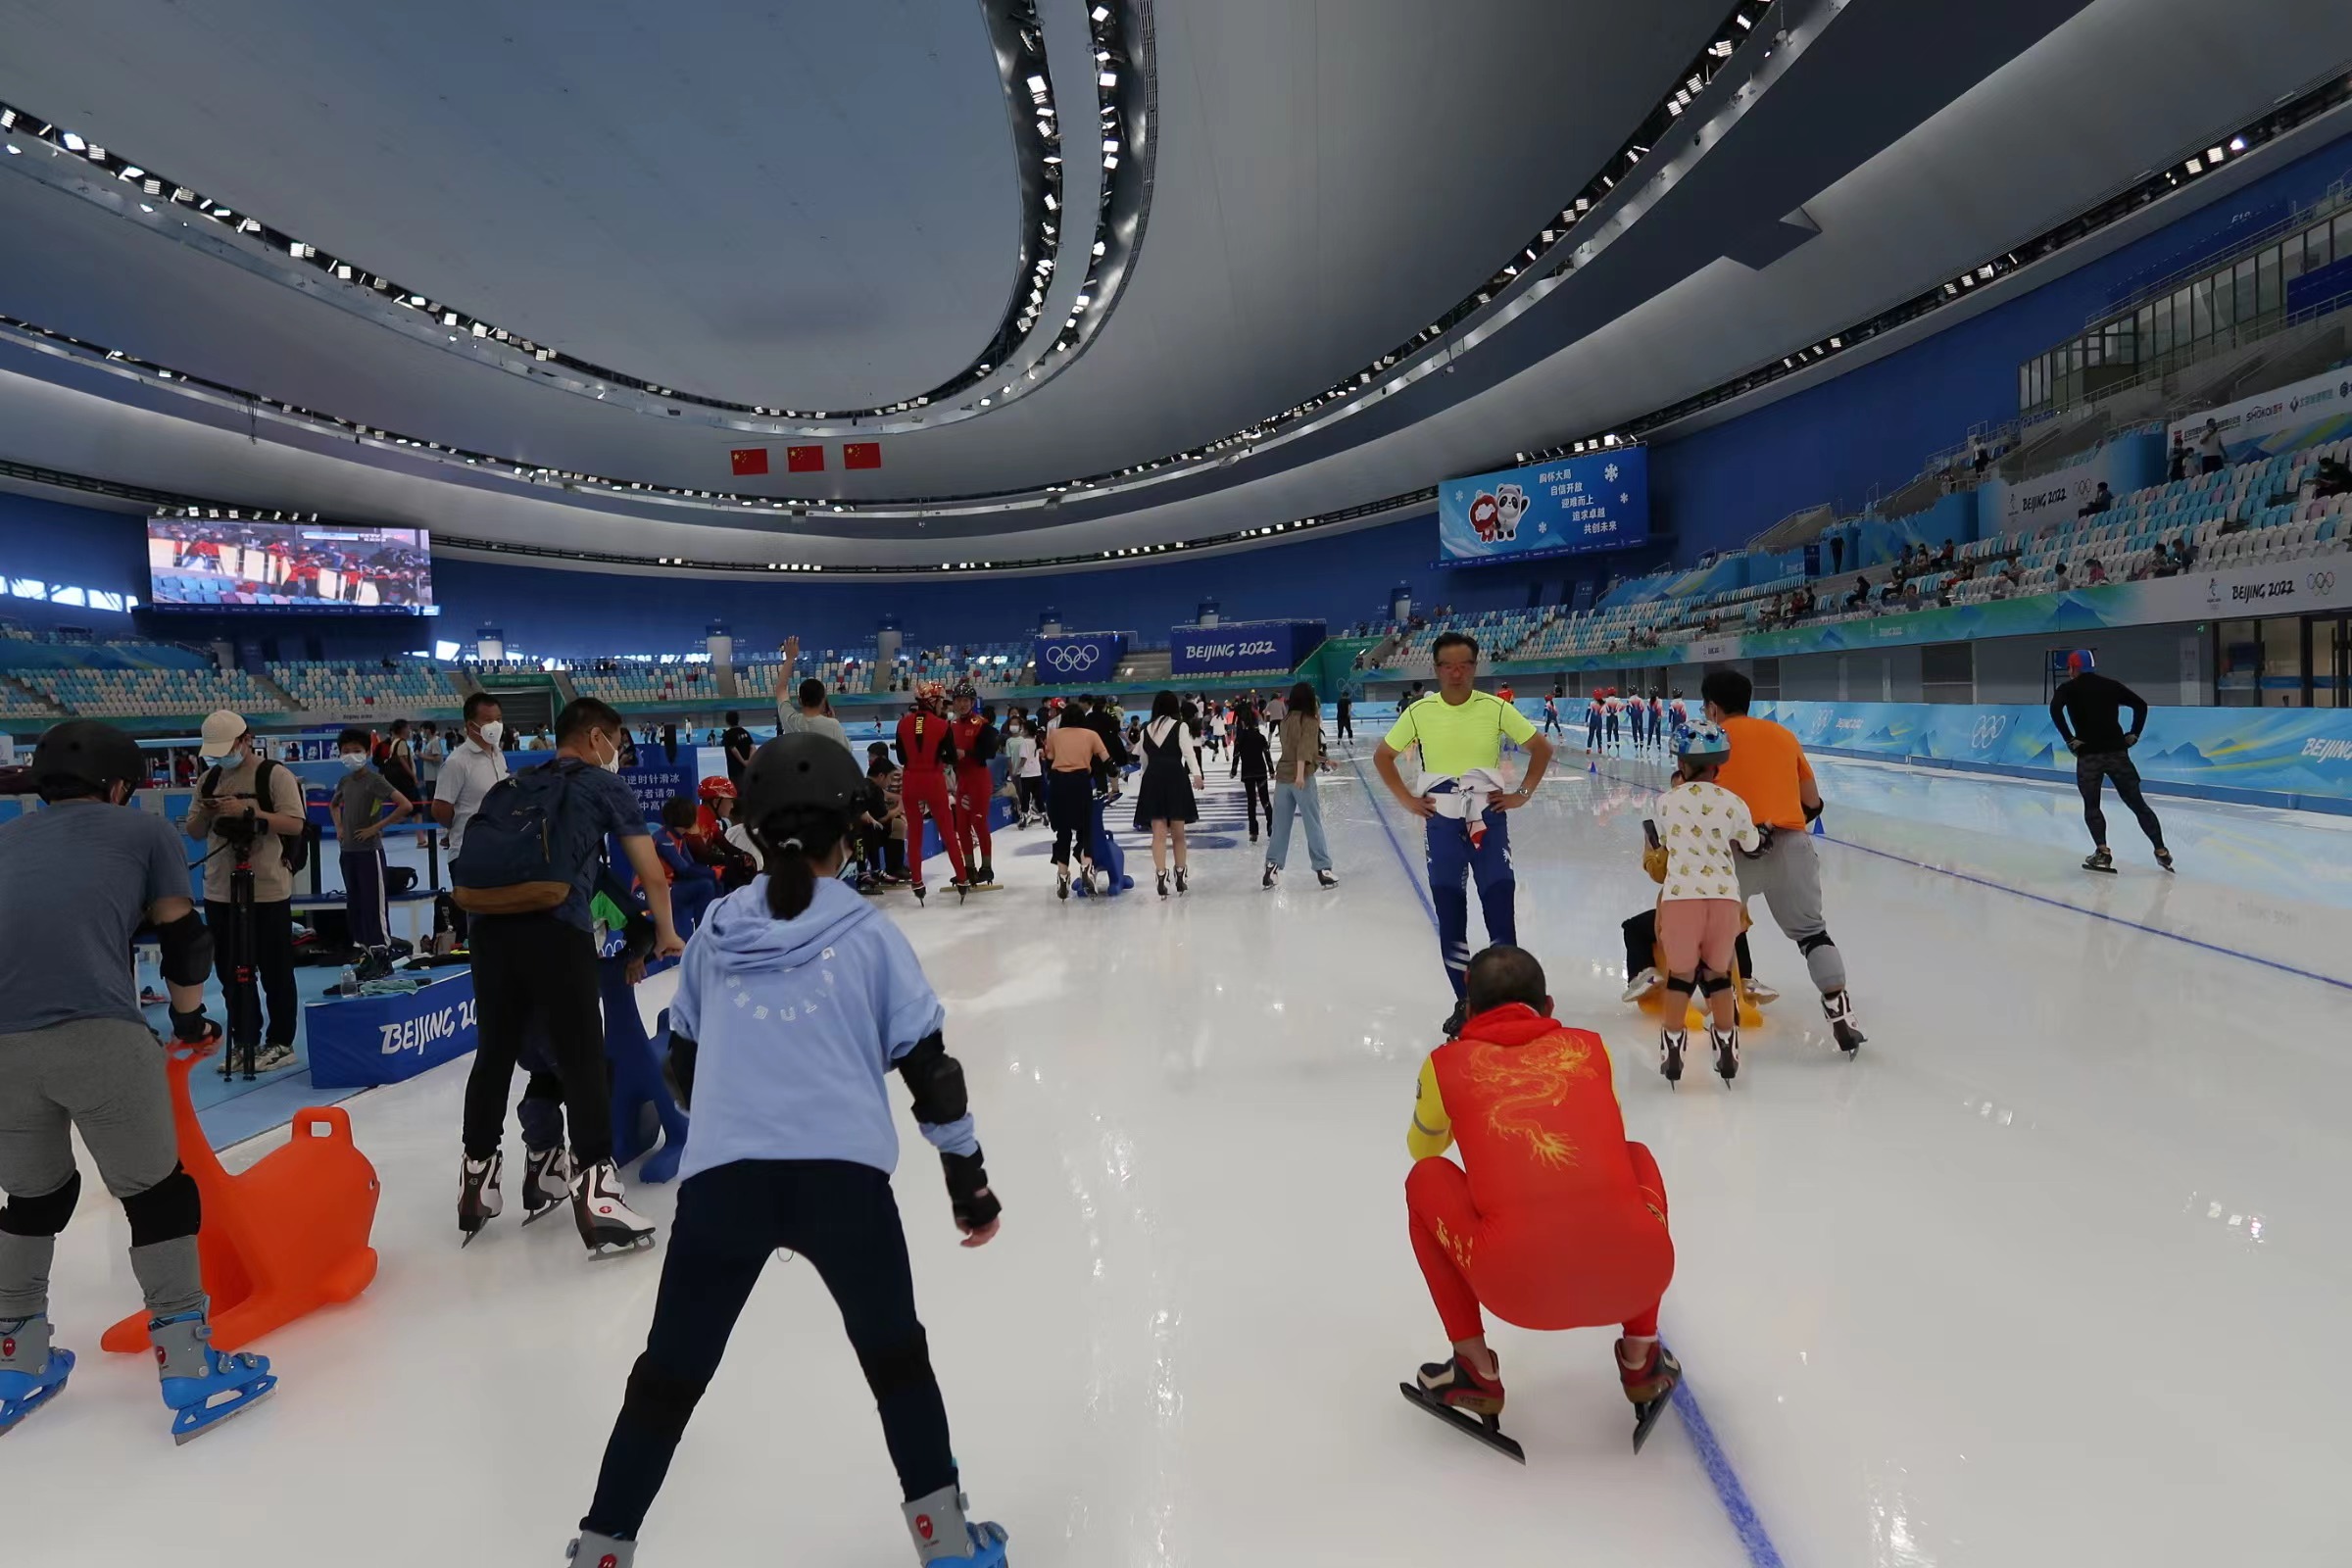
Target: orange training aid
1695, 1016
1553, 1220
278, 1241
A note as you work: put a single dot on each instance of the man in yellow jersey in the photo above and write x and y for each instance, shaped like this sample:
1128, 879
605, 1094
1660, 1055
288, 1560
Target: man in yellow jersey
1462, 799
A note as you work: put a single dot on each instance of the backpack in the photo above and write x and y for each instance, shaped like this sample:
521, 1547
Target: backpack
510, 860
293, 849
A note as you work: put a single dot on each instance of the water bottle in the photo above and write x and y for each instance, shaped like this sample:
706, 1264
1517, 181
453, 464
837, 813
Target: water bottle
350, 983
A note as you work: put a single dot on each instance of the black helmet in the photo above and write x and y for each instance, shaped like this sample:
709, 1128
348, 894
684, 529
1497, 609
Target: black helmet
84, 751
801, 770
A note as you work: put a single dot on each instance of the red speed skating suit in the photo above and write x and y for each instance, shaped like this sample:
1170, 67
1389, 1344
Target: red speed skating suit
974, 787
1553, 1220
926, 748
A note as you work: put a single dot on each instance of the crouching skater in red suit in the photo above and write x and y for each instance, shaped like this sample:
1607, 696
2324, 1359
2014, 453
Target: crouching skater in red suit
1553, 1220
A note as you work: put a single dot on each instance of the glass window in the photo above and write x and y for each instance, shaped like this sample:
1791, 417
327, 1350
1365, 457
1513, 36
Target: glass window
2201, 307
2317, 252
101, 599
2245, 289
27, 588
2266, 283
2282, 661
2025, 387
2163, 340
2290, 258
2343, 232
2225, 301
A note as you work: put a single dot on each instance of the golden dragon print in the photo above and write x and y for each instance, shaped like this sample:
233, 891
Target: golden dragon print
1528, 1076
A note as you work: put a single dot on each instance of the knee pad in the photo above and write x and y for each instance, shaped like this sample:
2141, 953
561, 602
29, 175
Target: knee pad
893, 1368
167, 1211
187, 950
1715, 985
664, 1401
1682, 985
41, 1216
1808, 946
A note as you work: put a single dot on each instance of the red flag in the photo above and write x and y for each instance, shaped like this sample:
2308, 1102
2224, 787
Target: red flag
749, 460
861, 453
804, 460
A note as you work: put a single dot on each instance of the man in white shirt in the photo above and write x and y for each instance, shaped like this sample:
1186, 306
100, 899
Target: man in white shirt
466, 776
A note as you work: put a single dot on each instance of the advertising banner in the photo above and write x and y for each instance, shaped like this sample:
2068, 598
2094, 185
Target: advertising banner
1241, 645
365, 1041
2302, 414
1079, 657
2283, 755
2125, 464
1599, 501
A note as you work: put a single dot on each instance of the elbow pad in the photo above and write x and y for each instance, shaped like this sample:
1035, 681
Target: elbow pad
1813, 811
936, 1080
678, 1070
187, 944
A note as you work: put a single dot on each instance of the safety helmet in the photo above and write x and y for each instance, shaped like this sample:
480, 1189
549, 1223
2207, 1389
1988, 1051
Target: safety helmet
929, 691
801, 770
85, 750
966, 692
716, 788
1702, 741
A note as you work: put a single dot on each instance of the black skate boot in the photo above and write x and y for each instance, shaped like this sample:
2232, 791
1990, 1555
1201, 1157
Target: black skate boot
1649, 1386
607, 1225
1461, 1015
1326, 879
1271, 877
1182, 884
1469, 1403
480, 1200
2164, 858
1839, 1007
546, 1183
1671, 1044
2099, 860
1061, 882
1727, 1051
1163, 884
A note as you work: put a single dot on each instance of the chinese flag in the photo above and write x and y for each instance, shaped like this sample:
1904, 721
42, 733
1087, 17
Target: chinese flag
749, 460
861, 453
804, 460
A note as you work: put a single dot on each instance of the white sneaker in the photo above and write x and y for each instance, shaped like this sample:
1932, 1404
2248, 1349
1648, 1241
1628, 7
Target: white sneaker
1757, 992
268, 1058
1640, 986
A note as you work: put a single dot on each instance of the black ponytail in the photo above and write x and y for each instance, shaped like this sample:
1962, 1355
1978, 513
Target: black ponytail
789, 841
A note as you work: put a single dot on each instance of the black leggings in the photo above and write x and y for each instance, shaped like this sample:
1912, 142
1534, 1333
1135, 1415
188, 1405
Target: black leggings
1070, 807
2117, 768
842, 1219
1253, 790
1032, 787
534, 971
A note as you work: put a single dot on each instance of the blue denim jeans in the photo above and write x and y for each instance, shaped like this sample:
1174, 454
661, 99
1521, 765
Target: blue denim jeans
1299, 799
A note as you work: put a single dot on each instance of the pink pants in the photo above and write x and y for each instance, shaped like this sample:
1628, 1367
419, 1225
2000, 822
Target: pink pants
1696, 932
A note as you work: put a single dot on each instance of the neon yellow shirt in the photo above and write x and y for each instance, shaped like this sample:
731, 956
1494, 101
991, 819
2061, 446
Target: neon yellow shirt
1455, 738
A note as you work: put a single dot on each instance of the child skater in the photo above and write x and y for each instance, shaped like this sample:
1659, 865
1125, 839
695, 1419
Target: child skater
794, 1001
1701, 823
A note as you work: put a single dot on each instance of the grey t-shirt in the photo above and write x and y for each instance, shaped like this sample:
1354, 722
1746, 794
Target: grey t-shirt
790, 720
65, 953
362, 796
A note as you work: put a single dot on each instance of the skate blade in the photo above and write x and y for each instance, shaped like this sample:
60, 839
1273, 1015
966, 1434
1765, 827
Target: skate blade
208, 1418
1647, 1416
531, 1217
599, 1252
1488, 1433
2103, 870
16, 1413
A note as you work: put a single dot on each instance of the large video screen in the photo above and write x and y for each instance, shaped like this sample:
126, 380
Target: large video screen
1599, 501
216, 563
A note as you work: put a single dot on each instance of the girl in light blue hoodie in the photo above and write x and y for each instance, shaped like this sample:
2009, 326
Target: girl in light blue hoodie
795, 1000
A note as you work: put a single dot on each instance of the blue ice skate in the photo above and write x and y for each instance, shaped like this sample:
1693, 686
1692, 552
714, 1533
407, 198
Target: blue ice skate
938, 1526
203, 1386
31, 1372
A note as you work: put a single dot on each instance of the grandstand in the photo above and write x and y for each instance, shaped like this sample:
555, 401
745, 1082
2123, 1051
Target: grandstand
408, 688
152, 693
846, 673
624, 683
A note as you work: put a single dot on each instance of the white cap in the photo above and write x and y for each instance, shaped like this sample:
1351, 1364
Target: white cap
222, 732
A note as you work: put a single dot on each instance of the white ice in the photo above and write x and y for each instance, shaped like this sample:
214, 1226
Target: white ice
2052, 1273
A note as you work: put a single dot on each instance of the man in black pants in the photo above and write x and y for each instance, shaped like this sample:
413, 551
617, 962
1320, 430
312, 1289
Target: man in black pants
540, 967
2086, 710
1347, 731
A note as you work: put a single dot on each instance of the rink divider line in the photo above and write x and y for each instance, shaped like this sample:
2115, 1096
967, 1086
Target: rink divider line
2124, 921
1754, 1539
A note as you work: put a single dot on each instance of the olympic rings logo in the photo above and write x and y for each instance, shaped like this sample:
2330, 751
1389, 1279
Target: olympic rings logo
2321, 582
1070, 658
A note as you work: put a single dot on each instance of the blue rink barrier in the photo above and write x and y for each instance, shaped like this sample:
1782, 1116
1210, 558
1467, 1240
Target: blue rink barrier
2299, 758
360, 1042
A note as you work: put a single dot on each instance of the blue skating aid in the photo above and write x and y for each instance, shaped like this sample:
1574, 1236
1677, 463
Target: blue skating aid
24, 1391
203, 1386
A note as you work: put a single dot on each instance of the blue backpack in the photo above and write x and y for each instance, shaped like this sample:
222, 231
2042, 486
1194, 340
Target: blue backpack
512, 859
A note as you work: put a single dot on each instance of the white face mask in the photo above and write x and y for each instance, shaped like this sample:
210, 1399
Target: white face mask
491, 733
353, 762
614, 766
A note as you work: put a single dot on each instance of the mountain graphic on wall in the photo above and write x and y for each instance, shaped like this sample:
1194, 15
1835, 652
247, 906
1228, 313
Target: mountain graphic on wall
2044, 754
2184, 755
1883, 733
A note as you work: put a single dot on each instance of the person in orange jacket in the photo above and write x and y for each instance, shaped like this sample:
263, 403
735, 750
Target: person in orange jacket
1553, 1220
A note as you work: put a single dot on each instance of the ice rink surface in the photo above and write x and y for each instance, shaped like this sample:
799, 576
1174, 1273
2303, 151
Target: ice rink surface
2051, 1273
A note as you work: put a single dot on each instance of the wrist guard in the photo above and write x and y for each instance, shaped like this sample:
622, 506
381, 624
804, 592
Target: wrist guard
967, 1191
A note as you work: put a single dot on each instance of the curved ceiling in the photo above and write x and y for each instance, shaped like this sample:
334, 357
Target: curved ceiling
812, 203
1322, 191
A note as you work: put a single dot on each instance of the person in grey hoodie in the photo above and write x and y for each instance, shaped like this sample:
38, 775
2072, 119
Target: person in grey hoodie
795, 1001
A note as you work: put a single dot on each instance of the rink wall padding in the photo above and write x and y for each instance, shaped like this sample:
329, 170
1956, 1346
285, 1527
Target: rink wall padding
2294, 757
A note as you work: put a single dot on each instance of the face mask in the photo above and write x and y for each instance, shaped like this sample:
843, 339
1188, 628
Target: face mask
353, 762
492, 732
614, 766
